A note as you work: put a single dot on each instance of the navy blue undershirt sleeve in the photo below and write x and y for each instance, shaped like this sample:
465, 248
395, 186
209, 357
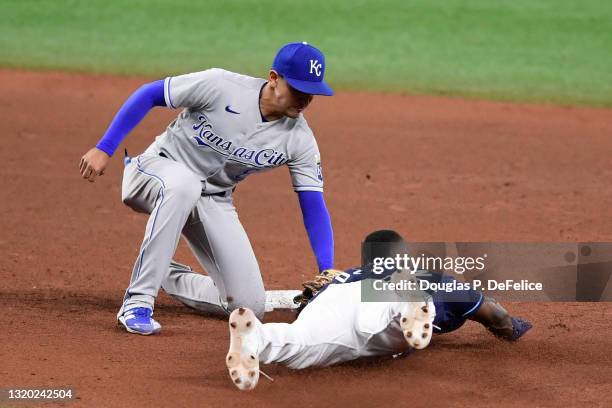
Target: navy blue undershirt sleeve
318, 226
131, 113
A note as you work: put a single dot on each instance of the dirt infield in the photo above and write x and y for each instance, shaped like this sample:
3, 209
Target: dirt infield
433, 168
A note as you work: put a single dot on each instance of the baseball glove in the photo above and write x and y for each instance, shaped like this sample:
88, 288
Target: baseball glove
314, 286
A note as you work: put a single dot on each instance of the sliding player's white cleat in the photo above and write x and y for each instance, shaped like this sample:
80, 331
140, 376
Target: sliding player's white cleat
417, 323
242, 358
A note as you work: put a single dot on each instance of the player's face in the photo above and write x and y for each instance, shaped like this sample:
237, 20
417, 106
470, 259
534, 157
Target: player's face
289, 100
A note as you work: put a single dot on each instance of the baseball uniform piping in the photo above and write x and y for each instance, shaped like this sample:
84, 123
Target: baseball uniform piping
167, 93
160, 197
474, 308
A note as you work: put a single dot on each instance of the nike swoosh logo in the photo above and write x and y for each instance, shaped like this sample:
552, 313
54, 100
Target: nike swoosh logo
229, 109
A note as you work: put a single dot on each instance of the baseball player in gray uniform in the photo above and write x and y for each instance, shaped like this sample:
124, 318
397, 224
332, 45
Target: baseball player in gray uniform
231, 126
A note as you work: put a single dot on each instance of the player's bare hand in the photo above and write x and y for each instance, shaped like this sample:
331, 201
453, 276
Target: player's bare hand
93, 163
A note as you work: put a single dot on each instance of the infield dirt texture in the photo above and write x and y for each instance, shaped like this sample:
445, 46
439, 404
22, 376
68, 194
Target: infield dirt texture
432, 167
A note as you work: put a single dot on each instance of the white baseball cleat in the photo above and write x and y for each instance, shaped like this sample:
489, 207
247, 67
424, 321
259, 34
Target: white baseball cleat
417, 324
242, 358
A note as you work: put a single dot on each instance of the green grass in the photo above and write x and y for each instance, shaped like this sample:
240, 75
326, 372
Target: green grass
537, 50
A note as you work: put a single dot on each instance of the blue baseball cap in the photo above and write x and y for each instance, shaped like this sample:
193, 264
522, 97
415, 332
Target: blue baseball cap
303, 66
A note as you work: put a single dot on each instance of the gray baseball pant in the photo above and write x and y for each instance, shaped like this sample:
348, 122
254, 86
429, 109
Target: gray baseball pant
172, 195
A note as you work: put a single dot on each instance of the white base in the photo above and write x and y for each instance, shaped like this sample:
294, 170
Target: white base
281, 299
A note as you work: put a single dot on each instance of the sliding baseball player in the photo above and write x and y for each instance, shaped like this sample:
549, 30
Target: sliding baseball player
335, 326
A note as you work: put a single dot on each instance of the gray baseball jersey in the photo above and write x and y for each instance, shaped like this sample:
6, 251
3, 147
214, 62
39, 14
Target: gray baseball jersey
220, 135
215, 142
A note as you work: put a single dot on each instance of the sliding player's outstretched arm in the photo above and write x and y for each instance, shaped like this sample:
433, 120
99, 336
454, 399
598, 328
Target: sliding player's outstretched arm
498, 321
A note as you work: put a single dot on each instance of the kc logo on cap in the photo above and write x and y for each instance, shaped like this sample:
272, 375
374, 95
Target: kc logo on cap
316, 67
303, 67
